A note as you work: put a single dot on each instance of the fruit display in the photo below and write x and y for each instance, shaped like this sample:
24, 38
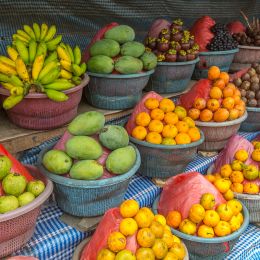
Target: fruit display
90, 148
119, 53
173, 44
165, 123
222, 103
17, 191
208, 220
152, 235
38, 61
249, 86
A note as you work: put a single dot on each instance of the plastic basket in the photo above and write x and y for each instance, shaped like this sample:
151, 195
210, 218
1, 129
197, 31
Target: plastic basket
164, 161
114, 92
217, 134
222, 59
17, 226
37, 111
252, 123
171, 77
88, 198
209, 248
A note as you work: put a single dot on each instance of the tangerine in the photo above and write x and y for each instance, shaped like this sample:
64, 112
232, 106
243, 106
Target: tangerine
233, 114
187, 227
160, 218
160, 248
180, 111
129, 208
211, 218
155, 126
228, 91
241, 155
215, 93
213, 104
235, 205
220, 83
256, 155
237, 176
225, 170
194, 113
189, 121
207, 201
166, 105
182, 127
128, 226
157, 114
194, 134
213, 73
224, 211
143, 219
178, 250
168, 238
224, 75
171, 118
206, 115
241, 217
173, 219
171, 256
251, 188
241, 109
145, 237
199, 103
205, 231
228, 103
143, 119
125, 254
210, 177
221, 115
237, 187
154, 138
223, 185
105, 254
237, 92
182, 138
168, 141
237, 99
157, 228
196, 213
116, 241
237, 165
144, 253
169, 131
234, 223
151, 103
232, 86
222, 229
229, 195
139, 132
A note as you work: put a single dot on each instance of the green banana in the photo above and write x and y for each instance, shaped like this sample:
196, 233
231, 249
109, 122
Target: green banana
16, 91
49, 78
63, 45
50, 34
16, 81
41, 49
23, 34
76, 80
37, 31
70, 51
4, 78
21, 38
32, 50
65, 74
29, 31
60, 84
47, 68
56, 95
77, 55
52, 45
76, 69
22, 50
44, 30
11, 101
83, 67
51, 57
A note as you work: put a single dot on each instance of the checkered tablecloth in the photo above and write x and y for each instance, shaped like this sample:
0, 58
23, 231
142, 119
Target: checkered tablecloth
55, 240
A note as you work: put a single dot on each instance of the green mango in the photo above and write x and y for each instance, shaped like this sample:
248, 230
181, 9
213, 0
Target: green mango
100, 64
121, 34
149, 60
134, 49
128, 65
105, 47
5, 166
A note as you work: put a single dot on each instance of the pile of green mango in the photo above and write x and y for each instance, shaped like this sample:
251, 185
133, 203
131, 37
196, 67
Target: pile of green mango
118, 51
82, 151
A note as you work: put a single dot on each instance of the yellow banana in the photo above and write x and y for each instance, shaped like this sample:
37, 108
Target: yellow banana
16, 91
47, 68
66, 65
37, 31
77, 55
21, 69
21, 38
7, 85
12, 52
63, 54
37, 66
7, 61
6, 69
44, 30
50, 34
29, 31
23, 34
65, 74
23, 51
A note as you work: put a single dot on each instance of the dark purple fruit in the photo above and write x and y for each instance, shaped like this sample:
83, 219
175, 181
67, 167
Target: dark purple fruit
257, 69
246, 76
170, 57
177, 24
252, 103
185, 46
182, 56
254, 79
254, 65
250, 94
190, 55
251, 72
243, 92
238, 82
257, 94
258, 103
254, 87
165, 33
176, 36
163, 45
175, 45
245, 85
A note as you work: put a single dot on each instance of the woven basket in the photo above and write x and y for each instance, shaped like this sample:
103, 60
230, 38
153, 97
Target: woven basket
209, 248
252, 123
88, 198
17, 226
222, 59
171, 77
164, 161
114, 92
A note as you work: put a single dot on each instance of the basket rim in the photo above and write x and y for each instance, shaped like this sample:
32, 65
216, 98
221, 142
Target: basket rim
121, 76
161, 63
253, 109
91, 184
37, 202
83, 83
220, 124
207, 53
227, 238
248, 47
169, 147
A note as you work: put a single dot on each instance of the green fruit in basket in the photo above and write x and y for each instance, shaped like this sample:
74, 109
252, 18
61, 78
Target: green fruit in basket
60, 84
121, 34
149, 60
128, 65
14, 184
250, 172
8, 203
121, 160
88, 123
86, 170
57, 162
100, 64
134, 49
5, 166
25, 198
114, 137
53, 44
83, 148
55, 95
77, 55
105, 47
35, 187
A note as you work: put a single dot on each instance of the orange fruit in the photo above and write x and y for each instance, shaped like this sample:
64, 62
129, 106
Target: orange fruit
222, 229
157, 114
182, 127
229, 195
194, 113
221, 115
241, 109
225, 170
199, 103
170, 256
235, 205
213, 73
251, 188
160, 218
143, 119
151, 103
196, 213
182, 138
166, 105
154, 138
139, 132
228, 92
237, 187
207, 201
210, 177
145, 237
205, 231
211, 218
220, 83
129, 208
173, 219
233, 114
241, 155
213, 104
206, 115
168, 141
160, 248
237, 92
217, 176
116, 241
187, 227
236, 99
171, 118
169, 131
128, 226
232, 86
176, 239
189, 121
168, 238
236, 165
125, 254
222, 185
155, 126
224, 75
148, 212
157, 228
178, 250
234, 223
180, 111
224, 211
256, 155
194, 134
215, 93
105, 254
241, 217
144, 253
228, 102
237, 176
143, 219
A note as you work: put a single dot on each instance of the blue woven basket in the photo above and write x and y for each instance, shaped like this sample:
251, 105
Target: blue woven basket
209, 248
114, 92
88, 198
252, 123
171, 77
164, 161
221, 59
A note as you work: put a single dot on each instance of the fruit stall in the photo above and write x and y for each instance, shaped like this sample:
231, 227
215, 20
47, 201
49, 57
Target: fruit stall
130, 130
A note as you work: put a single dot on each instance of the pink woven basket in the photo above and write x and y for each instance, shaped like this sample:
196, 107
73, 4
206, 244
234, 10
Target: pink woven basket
17, 226
36, 111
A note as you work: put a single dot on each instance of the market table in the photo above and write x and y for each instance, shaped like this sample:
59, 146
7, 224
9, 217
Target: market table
55, 240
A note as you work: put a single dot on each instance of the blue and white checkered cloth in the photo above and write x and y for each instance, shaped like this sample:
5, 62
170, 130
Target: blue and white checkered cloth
55, 240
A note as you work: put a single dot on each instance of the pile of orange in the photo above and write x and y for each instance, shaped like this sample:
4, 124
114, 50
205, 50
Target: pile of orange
238, 176
206, 222
224, 101
165, 124
153, 236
